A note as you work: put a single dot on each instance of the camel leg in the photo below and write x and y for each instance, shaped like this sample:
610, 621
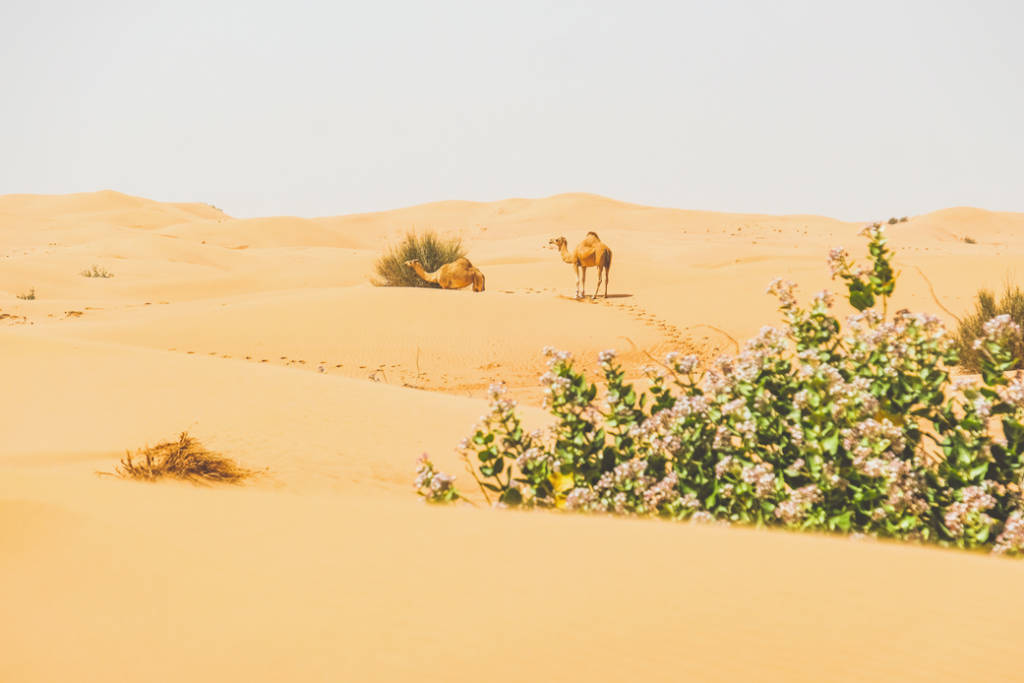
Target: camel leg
607, 274
576, 268
598, 290
583, 288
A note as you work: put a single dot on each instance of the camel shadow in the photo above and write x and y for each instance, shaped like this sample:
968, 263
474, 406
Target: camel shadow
590, 299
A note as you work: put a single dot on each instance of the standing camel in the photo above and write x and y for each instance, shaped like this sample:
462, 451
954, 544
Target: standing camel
455, 275
590, 252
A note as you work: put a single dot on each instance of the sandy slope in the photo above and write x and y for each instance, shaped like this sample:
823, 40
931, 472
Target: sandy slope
326, 567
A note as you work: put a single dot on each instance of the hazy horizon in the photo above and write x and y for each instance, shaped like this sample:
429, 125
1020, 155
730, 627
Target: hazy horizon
320, 109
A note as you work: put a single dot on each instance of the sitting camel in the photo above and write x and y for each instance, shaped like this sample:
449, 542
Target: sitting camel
590, 252
455, 275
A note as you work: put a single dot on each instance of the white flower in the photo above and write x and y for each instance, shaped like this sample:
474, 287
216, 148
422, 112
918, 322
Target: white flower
1002, 328
761, 476
784, 290
963, 383
581, 499
723, 465
1011, 539
679, 363
734, 406
982, 407
837, 260
824, 298
1013, 393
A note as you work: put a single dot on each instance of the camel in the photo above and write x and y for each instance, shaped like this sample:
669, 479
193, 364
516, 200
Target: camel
455, 275
590, 252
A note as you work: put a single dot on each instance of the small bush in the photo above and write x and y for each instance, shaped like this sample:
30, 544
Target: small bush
893, 220
986, 307
29, 295
428, 248
970, 240
96, 271
182, 459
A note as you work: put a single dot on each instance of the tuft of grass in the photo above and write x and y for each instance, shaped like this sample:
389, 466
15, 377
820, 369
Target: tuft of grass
969, 240
29, 295
431, 250
986, 307
184, 459
904, 219
96, 271
893, 220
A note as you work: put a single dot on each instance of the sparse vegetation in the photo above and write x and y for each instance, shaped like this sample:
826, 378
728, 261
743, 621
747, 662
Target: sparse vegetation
431, 250
812, 426
184, 459
96, 271
969, 240
893, 221
987, 307
30, 295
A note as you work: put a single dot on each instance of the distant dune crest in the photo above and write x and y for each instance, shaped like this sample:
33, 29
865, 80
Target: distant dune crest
568, 213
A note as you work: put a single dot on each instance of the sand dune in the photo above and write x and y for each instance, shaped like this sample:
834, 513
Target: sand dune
281, 231
106, 208
264, 338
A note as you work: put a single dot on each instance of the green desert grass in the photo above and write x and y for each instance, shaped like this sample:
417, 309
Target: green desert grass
431, 250
184, 459
986, 307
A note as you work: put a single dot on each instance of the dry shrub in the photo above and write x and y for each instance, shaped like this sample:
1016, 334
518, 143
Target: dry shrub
986, 307
428, 248
96, 271
184, 459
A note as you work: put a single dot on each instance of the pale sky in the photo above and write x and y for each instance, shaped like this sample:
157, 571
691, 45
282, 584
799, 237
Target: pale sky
858, 110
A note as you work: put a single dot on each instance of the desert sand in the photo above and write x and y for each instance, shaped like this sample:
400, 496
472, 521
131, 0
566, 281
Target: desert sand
264, 338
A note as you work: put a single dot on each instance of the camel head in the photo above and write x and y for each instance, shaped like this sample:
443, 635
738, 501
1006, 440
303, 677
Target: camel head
412, 262
557, 242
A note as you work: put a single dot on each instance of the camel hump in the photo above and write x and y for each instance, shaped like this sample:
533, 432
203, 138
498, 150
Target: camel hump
593, 234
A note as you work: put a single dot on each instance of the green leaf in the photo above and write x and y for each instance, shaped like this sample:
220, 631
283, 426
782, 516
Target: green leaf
861, 296
830, 443
1014, 433
978, 472
841, 521
511, 497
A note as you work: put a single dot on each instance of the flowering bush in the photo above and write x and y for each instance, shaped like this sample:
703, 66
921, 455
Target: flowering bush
814, 425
